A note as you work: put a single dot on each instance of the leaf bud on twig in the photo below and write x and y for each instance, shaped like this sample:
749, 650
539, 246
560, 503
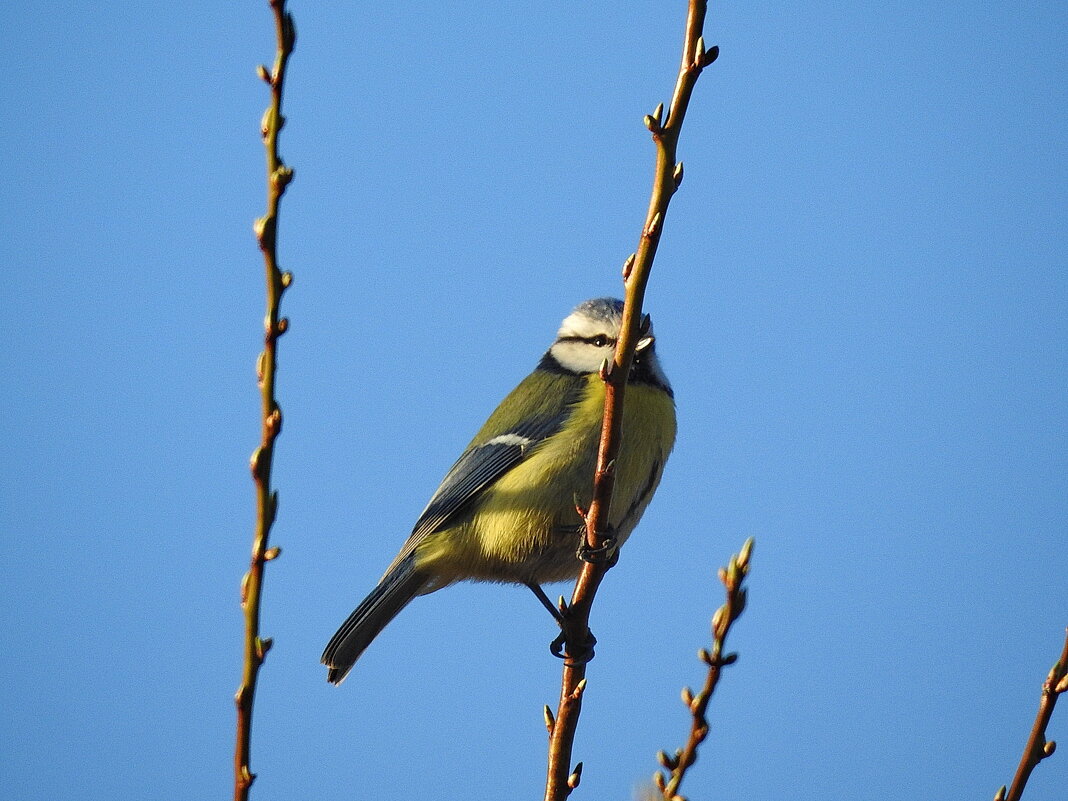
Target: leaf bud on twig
282, 177
667, 761
289, 33
699, 53
575, 777
263, 645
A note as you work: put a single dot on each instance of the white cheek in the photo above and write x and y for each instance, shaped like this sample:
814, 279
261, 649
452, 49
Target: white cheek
580, 357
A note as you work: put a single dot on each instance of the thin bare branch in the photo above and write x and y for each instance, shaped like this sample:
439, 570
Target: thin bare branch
561, 780
1037, 747
732, 576
266, 228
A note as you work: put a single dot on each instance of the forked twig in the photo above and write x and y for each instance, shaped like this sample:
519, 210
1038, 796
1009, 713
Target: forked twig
266, 227
561, 779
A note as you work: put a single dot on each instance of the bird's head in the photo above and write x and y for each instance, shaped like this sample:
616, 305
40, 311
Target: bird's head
587, 337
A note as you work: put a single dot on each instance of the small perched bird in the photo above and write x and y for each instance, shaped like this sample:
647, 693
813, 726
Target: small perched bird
507, 510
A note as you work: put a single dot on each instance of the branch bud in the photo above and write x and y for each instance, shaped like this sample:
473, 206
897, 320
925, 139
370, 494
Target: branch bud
1049, 748
677, 175
282, 176
272, 553
1000, 794
263, 645
746, 552
659, 781
717, 620
264, 73
653, 228
710, 55
274, 421
606, 370
255, 462
289, 32
628, 265
287, 277
575, 777
739, 602
687, 696
550, 721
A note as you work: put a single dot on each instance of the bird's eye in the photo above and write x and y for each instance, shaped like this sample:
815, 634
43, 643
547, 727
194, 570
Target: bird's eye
600, 341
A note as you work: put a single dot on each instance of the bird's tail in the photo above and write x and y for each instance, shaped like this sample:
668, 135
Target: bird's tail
385, 602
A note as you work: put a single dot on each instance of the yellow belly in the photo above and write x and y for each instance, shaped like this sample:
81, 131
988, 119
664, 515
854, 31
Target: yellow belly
526, 527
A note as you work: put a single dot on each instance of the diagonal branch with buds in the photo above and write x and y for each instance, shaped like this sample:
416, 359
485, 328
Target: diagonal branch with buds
561, 779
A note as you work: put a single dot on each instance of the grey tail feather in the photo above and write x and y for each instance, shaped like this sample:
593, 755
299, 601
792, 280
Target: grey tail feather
384, 603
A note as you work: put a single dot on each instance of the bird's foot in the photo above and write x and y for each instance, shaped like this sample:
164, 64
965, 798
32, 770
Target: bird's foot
580, 653
606, 553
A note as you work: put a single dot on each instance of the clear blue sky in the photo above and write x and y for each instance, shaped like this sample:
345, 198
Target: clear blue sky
860, 298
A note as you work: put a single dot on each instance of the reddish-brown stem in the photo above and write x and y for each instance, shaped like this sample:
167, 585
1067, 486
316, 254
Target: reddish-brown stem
732, 577
560, 779
1037, 748
266, 228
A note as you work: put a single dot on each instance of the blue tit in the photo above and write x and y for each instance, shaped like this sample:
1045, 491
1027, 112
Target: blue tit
506, 511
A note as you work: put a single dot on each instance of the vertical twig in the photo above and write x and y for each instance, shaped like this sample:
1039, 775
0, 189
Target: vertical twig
561, 780
266, 227
732, 577
1037, 747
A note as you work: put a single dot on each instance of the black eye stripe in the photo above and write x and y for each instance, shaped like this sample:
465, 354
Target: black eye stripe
588, 340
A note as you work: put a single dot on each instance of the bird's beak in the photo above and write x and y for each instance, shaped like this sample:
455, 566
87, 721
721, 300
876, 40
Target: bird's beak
644, 343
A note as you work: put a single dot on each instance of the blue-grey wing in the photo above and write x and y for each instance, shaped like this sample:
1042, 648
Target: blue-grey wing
476, 469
